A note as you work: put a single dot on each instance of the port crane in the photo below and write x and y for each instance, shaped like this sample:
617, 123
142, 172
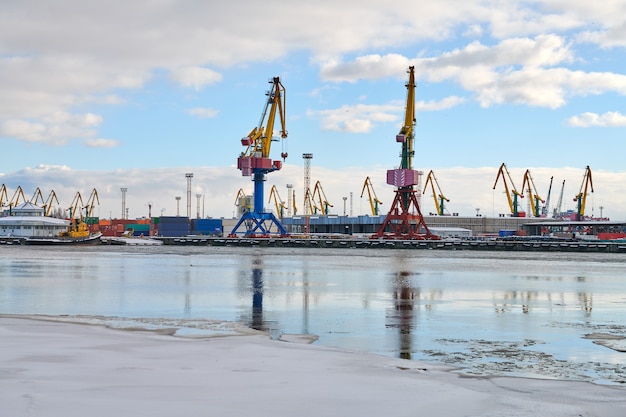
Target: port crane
15, 200
318, 193
77, 227
546, 207
529, 185
511, 194
255, 161
309, 202
47, 204
581, 197
404, 219
437, 195
556, 212
371, 196
91, 202
3, 195
278, 202
241, 199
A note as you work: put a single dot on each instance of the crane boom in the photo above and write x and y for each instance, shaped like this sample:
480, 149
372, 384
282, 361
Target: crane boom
546, 207
437, 195
581, 197
511, 194
533, 195
374, 201
91, 202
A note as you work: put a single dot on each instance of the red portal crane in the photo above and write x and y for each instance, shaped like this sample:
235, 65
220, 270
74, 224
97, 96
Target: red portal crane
404, 219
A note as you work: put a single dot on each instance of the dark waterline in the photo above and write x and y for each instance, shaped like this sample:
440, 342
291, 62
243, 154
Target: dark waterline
551, 315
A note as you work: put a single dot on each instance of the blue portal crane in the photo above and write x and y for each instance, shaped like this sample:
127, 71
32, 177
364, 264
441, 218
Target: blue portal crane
255, 161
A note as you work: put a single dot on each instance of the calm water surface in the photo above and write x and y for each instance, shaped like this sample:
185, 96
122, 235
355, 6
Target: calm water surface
549, 315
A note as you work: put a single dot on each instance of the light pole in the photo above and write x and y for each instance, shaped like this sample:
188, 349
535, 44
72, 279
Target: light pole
344, 205
123, 190
177, 206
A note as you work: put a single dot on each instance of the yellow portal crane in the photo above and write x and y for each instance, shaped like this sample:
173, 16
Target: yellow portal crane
91, 202
529, 185
280, 204
437, 195
312, 208
77, 227
3, 195
581, 197
36, 197
511, 194
48, 205
15, 200
371, 195
318, 192
242, 200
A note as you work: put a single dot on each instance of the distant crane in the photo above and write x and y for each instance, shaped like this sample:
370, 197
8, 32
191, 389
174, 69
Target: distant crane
371, 196
241, 199
47, 207
437, 195
318, 193
255, 161
529, 185
3, 195
35, 199
511, 194
15, 200
309, 204
556, 212
581, 197
546, 207
278, 202
91, 202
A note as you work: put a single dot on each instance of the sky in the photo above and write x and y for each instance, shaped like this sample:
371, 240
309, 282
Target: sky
111, 95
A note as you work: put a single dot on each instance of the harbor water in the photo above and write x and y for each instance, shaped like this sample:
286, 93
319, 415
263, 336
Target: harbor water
534, 314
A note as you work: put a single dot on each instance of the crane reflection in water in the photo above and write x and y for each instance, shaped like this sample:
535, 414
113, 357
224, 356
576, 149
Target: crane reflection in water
402, 315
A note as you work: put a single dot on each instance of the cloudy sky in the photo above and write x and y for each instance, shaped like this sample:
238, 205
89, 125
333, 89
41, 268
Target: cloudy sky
136, 94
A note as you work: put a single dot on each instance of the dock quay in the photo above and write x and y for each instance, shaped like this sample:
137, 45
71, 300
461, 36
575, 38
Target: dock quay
527, 245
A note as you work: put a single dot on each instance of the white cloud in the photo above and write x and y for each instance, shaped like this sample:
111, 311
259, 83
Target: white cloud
53, 129
358, 118
101, 143
588, 119
196, 77
203, 113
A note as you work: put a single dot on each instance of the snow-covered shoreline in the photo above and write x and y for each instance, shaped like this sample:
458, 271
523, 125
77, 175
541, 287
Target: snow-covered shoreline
55, 368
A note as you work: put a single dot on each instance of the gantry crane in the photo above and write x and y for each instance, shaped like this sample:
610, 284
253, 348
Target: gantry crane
437, 195
371, 195
320, 196
529, 185
511, 194
278, 202
255, 161
581, 197
404, 219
